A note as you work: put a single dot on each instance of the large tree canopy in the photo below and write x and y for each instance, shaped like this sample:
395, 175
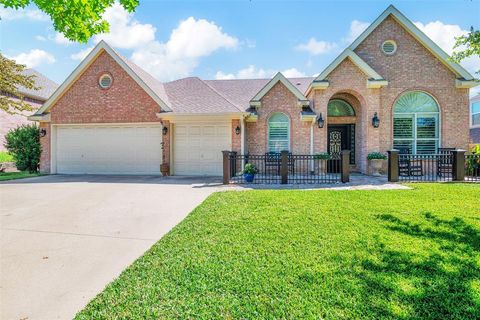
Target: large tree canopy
78, 20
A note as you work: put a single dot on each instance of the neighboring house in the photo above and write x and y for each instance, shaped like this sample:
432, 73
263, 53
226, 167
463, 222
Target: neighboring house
34, 98
475, 119
110, 116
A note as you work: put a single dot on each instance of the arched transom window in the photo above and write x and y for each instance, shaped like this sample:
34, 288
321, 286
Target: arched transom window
416, 123
339, 108
278, 132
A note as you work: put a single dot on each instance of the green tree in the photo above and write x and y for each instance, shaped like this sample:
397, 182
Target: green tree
468, 46
77, 20
11, 78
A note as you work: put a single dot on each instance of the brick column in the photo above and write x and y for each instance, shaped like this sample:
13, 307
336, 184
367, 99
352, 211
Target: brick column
236, 138
46, 148
166, 144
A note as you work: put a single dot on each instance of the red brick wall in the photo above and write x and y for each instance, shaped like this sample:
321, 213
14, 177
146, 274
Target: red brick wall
45, 143
236, 138
278, 99
413, 67
86, 102
166, 142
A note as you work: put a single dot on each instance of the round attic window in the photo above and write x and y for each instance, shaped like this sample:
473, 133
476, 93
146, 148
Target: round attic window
389, 47
105, 81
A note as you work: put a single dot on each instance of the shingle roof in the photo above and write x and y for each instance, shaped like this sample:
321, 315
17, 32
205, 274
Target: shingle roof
47, 86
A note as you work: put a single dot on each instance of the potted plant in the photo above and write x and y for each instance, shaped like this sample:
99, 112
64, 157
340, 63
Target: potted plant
249, 172
321, 160
376, 162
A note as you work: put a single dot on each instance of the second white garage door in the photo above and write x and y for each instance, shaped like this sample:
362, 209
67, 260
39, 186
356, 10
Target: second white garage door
109, 149
197, 148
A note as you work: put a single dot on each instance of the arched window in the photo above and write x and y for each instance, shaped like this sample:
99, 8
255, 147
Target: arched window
339, 108
278, 132
416, 123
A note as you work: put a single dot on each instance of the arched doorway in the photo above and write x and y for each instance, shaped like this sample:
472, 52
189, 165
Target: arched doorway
341, 127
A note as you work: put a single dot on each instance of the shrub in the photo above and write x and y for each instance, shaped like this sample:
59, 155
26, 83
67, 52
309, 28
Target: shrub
23, 143
322, 156
376, 155
250, 169
5, 157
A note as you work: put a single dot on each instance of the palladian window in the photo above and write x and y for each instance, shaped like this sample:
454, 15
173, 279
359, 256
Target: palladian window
416, 123
278, 132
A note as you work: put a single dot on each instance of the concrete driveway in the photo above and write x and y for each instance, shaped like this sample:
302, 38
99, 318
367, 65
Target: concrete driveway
63, 238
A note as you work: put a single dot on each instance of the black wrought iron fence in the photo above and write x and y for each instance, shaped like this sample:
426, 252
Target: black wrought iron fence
425, 167
280, 168
472, 167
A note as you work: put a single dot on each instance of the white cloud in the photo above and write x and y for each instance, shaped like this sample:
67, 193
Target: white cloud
125, 32
40, 38
81, 54
61, 39
356, 28
34, 58
252, 72
444, 36
9, 14
293, 73
190, 41
315, 47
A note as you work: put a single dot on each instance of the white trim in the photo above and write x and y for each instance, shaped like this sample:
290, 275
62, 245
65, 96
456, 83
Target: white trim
288, 130
39, 118
466, 84
202, 117
375, 84
348, 53
394, 47
417, 34
278, 77
102, 46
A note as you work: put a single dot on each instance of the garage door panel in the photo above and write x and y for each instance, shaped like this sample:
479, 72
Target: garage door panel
107, 149
198, 148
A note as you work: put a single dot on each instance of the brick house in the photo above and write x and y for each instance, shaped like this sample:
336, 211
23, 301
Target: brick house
35, 98
475, 119
392, 87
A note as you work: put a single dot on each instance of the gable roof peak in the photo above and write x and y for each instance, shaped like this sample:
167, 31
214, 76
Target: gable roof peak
279, 77
421, 37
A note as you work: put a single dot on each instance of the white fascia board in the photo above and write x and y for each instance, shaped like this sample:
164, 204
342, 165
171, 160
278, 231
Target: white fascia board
39, 117
375, 84
466, 84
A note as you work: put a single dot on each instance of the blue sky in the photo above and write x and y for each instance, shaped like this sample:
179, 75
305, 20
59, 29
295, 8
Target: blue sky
234, 39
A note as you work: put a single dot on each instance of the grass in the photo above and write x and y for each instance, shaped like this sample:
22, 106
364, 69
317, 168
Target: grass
5, 157
4, 176
391, 254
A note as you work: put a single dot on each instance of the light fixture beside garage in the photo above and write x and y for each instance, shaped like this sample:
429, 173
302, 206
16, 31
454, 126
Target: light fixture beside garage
164, 130
237, 130
105, 81
43, 133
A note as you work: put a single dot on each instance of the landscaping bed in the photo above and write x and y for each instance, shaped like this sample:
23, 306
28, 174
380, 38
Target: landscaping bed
389, 254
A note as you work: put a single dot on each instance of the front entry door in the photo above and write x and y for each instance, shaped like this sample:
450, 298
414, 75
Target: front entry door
339, 138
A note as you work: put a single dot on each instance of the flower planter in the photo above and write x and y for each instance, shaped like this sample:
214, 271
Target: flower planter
249, 177
376, 165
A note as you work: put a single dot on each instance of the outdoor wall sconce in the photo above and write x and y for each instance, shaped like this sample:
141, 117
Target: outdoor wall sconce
43, 133
237, 130
165, 131
320, 121
375, 120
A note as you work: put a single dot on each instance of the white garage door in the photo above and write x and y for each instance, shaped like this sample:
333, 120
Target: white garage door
198, 148
109, 149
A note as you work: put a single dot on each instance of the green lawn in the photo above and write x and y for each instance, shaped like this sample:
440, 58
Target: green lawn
16, 175
397, 254
5, 157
